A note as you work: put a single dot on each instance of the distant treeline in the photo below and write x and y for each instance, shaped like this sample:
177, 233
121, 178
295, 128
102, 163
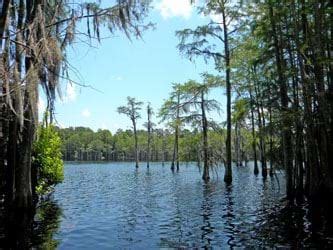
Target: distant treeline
83, 144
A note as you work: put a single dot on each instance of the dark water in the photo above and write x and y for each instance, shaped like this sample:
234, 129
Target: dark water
103, 206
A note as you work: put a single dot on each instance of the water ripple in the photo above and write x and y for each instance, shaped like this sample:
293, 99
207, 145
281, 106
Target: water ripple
117, 206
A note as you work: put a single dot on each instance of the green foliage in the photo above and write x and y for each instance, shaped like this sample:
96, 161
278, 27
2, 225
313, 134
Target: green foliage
120, 146
240, 110
47, 224
48, 159
189, 145
131, 109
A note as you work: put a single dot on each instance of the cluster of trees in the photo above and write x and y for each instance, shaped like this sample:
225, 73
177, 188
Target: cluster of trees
275, 56
189, 104
274, 60
34, 35
83, 144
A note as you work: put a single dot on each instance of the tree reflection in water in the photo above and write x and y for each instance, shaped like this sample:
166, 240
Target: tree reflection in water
153, 208
206, 213
302, 225
27, 231
229, 216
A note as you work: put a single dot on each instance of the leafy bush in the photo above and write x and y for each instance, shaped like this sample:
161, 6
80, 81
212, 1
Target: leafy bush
48, 159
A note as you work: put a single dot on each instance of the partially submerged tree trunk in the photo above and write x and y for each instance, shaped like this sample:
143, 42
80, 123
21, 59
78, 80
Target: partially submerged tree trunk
271, 160
175, 156
254, 138
286, 133
136, 144
205, 175
237, 144
132, 111
261, 137
228, 168
149, 125
324, 114
163, 147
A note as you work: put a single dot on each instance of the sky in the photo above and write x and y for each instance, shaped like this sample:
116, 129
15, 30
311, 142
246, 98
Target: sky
117, 68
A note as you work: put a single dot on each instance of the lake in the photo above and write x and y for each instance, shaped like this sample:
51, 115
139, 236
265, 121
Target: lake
115, 206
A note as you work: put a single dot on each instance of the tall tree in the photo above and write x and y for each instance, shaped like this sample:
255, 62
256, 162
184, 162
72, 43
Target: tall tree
34, 36
282, 82
194, 95
132, 111
149, 131
216, 34
170, 111
238, 117
293, 90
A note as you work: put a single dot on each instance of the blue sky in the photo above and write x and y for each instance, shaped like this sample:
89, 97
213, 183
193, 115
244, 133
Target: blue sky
118, 68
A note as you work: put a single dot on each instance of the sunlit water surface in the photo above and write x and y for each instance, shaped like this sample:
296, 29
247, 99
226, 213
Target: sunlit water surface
114, 205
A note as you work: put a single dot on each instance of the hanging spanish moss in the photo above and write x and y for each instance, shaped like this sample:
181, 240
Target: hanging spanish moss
34, 38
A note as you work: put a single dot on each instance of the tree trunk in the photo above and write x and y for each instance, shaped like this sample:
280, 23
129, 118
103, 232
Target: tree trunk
136, 145
325, 145
23, 195
149, 136
254, 142
271, 161
286, 133
163, 148
299, 175
3, 143
3, 18
205, 175
175, 157
261, 124
12, 159
263, 138
237, 144
228, 169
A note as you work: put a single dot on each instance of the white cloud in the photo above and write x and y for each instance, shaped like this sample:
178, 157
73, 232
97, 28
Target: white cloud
174, 8
119, 78
86, 113
70, 95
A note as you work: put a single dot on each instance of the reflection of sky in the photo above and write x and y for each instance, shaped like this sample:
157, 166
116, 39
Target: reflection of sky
117, 206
